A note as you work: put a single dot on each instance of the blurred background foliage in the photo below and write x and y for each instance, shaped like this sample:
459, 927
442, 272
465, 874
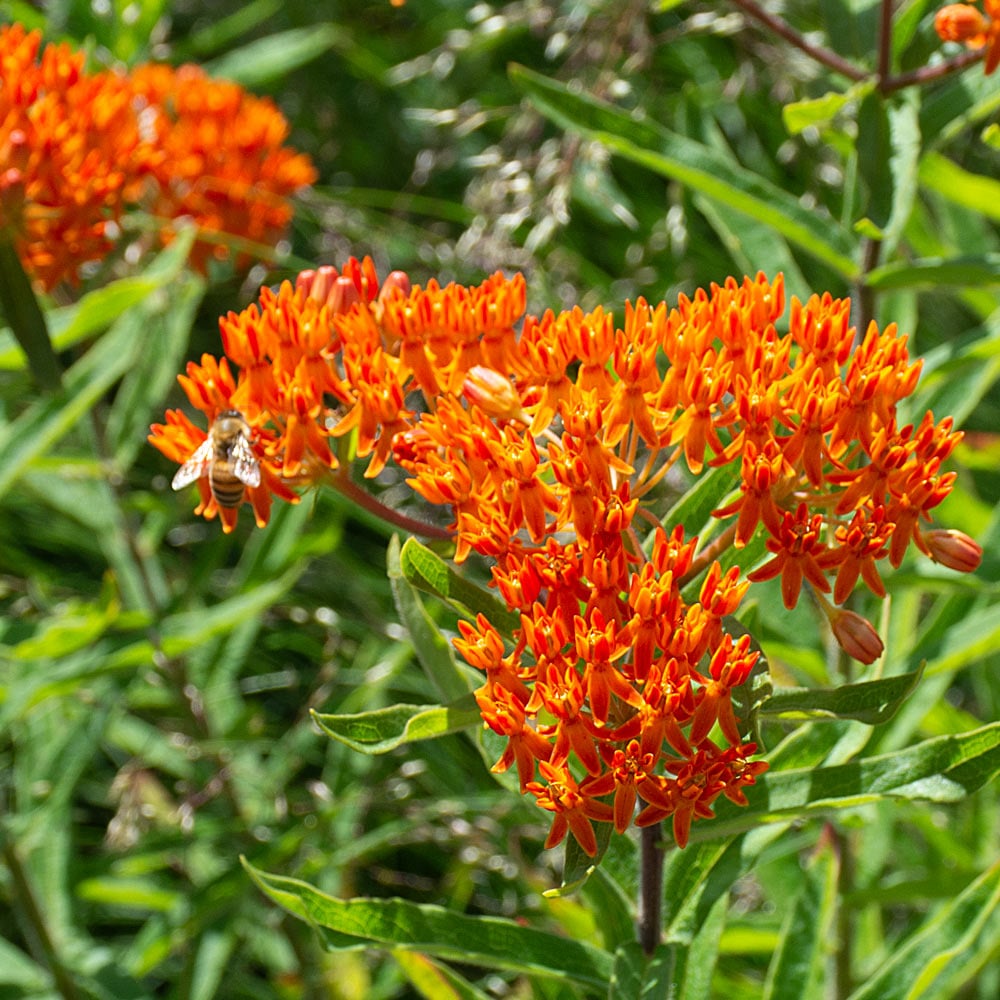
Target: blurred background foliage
156, 676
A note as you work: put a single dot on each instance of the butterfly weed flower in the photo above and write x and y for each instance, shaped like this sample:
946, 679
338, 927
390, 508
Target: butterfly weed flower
72, 152
551, 441
82, 148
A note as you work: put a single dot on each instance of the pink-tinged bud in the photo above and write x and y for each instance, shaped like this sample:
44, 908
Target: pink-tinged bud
342, 295
954, 549
395, 285
317, 283
960, 22
490, 391
856, 636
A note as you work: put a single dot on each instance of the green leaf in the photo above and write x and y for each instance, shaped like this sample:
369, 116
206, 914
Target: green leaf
944, 769
974, 191
433, 650
957, 375
638, 977
869, 701
797, 971
273, 57
817, 112
41, 425
427, 571
950, 947
433, 980
701, 168
384, 729
936, 272
707, 493
487, 941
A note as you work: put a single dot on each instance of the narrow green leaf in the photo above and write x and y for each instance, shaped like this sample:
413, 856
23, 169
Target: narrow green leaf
215, 949
428, 572
433, 650
637, 977
797, 970
435, 981
950, 947
384, 729
944, 769
701, 168
129, 893
191, 629
707, 493
702, 954
974, 191
869, 701
579, 866
936, 272
487, 941
267, 59
42, 424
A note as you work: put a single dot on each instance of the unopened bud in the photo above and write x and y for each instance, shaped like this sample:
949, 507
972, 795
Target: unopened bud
954, 549
856, 636
318, 282
490, 391
396, 284
342, 295
959, 22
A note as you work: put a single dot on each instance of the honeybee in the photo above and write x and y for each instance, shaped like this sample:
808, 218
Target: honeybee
226, 457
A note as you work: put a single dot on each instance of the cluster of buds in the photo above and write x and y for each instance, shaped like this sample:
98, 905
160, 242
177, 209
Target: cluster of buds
81, 148
551, 440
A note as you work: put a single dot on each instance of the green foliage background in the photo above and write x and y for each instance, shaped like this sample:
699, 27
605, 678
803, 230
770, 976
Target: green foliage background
156, 677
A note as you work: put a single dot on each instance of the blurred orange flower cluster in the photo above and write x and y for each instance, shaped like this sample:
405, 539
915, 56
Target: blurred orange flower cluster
79, 148
962, 22
553, 445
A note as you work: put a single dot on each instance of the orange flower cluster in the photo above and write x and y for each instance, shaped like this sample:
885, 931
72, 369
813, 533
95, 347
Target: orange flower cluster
962, 22
71, 154
78, 149
223, 163
551, 444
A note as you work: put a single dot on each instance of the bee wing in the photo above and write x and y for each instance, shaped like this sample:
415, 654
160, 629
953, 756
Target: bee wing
246, 468
195, 467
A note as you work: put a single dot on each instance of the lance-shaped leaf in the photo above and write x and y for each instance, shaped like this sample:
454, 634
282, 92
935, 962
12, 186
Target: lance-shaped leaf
869, 701
709, 171
428, 572
433, 650
384, 729
943, 769
797, 970
950, 947
487, 941
638, 977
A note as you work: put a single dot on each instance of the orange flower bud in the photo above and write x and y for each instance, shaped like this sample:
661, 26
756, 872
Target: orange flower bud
960, 22
396, 283
954, 549
856, 636
490, 391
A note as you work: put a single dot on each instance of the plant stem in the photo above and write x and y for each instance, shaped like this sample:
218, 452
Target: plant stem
24, 893
650, 888
26, 319
344, 485
822, 55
